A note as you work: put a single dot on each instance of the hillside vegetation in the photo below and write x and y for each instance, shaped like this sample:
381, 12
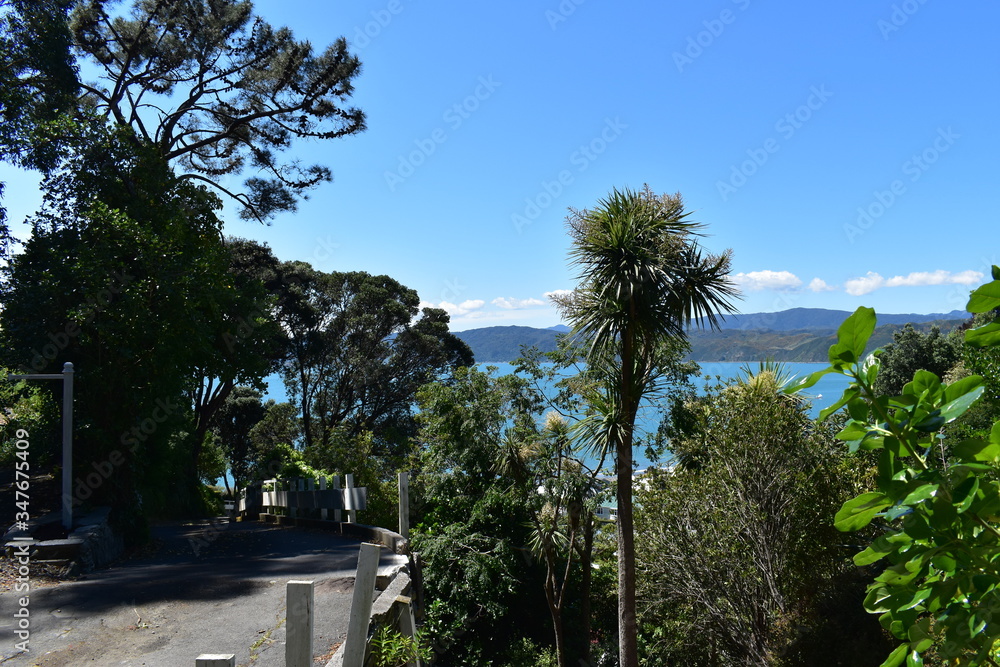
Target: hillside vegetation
806, 344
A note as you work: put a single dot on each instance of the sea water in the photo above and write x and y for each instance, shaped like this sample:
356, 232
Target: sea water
821, 395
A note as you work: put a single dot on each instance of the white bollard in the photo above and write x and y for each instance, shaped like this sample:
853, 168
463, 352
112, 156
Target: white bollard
352, 515
404, 504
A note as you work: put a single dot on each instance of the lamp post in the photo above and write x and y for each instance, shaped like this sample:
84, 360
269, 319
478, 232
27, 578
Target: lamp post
67, 436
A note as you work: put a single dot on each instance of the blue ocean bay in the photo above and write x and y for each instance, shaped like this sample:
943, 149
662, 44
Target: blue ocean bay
823, 394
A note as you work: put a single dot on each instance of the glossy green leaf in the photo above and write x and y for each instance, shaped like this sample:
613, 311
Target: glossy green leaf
859, 512
944, 562
841, 355
855, 331
876, 551
921, 493
897, 657
985, 336
857, 408
953, 409
961, 387
913, 659
853, 431
916, 600
849, 394
805, 382
985, 298
924, 382
965, 493
975, 449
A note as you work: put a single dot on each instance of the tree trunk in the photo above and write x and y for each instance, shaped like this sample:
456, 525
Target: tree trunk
586, 560
628, 649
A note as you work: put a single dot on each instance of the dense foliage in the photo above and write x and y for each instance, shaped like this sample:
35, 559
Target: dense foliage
936, 501
911, 351
739, 562
357, 353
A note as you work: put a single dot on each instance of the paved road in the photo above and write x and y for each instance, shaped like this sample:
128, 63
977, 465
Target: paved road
204, 589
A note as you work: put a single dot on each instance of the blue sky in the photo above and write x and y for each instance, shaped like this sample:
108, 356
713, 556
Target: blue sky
845, 152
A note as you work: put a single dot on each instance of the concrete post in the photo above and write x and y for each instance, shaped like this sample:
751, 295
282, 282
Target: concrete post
299, 607
404, 504
361, 606
352, 515
322, 487
407, 624
336, 486
215, 660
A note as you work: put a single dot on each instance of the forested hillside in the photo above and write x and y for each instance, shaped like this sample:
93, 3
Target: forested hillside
781, 343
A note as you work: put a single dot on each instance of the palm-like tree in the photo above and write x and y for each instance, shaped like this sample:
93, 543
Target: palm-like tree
643, 280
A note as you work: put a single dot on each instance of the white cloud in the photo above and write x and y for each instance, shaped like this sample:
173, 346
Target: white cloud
516, 304
756, 281
460, 309
873, 281
558, 293
819, 285
858, 286
919, 279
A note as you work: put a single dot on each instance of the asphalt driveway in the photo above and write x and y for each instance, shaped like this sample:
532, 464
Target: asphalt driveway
204, 588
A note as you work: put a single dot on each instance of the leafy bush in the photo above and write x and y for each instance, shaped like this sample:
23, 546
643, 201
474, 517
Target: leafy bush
936, 503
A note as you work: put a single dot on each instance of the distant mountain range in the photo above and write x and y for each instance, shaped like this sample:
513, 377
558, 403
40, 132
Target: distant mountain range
798, 334
796, 319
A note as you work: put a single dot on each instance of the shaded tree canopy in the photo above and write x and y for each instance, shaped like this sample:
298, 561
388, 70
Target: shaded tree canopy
233, 422
38, 80
38, 86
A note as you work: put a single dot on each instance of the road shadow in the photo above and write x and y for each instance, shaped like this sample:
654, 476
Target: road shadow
210, 562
